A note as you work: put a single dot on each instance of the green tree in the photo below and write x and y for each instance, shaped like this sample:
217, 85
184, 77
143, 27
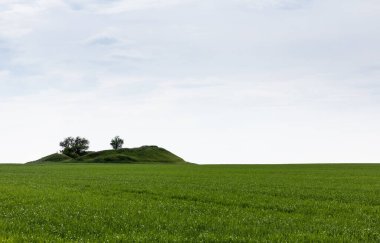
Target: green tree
117, 143
74, 147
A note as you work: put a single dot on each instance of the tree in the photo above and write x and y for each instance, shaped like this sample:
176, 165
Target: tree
74, 147
117, 143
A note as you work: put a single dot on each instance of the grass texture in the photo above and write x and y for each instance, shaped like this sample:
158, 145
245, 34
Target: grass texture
63, 202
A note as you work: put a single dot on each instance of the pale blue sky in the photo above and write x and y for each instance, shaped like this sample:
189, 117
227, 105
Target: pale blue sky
227, 81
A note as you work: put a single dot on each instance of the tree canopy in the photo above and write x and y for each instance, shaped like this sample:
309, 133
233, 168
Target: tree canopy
117, 143
74, 147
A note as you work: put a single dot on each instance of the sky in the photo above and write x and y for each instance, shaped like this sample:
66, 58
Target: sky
213, 81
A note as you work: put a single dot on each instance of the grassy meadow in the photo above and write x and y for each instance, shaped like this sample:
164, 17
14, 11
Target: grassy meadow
160, 203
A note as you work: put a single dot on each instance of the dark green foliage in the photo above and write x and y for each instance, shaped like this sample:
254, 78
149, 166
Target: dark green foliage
60, 202
117, 143
74, 147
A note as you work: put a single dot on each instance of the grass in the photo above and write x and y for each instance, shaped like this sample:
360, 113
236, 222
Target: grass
266, 203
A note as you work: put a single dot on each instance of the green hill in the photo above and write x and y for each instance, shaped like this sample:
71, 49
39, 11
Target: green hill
54, 158
144, 154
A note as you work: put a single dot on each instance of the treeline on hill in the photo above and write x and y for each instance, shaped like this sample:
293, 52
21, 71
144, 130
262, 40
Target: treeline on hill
75, 149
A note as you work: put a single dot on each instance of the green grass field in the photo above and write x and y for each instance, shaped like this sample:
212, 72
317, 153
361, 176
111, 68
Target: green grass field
116, 202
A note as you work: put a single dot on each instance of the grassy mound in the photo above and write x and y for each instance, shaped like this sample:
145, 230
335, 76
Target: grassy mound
55, 158
144, 154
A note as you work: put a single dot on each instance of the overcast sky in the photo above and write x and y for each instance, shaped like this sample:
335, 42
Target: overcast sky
214, 81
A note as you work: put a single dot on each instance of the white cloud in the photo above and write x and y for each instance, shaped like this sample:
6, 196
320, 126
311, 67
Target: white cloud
286, 4
4, 75
120, 6
18, 18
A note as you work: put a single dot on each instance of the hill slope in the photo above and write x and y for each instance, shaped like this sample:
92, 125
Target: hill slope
54, 158
144, 154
